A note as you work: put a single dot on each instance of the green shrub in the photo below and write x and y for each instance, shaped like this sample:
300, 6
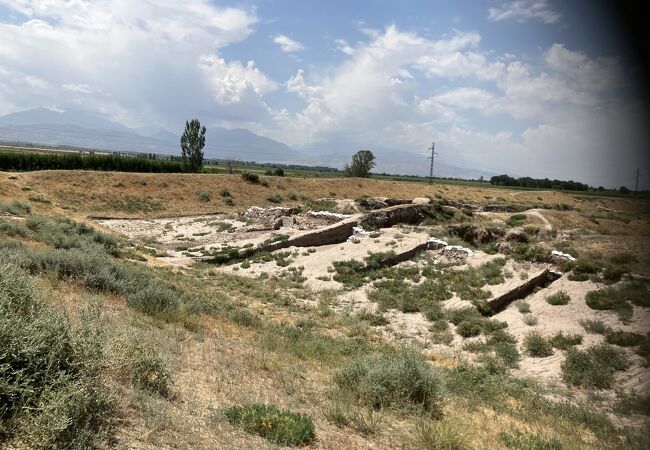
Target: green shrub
250, 177
275, 198
50, 393
523, 306
459, 315
624, 338
228, 201
559, 298
508, 354
593, 326
204, 196
468, 328
530, 319
593, 367
224, 192
16, 207
610, 298
154, 300
147, 369
278, 426
565, 341
398, 378
537, 346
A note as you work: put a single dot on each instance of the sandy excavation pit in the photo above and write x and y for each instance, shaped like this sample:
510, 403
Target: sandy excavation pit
265, 241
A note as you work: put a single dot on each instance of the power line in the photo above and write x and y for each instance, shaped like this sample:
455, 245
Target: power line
636, 187
433, 154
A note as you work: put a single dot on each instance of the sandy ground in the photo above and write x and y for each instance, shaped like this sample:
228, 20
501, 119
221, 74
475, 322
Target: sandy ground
315, 265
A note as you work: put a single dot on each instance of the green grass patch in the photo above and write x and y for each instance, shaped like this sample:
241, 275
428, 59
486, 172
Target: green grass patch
537, 345
559, 298
279, 426
592, 368
624, 338
565, 341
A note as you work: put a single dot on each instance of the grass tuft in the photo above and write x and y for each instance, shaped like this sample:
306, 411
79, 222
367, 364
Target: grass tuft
278, 426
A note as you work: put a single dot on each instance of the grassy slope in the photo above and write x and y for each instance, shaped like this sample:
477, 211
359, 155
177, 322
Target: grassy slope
219, 359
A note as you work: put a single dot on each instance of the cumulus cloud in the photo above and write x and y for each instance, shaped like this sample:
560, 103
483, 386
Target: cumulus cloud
287, 44
523, 10
144, 62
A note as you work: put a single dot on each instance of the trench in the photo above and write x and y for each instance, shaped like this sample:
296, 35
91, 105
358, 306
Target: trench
543, 279
341, 231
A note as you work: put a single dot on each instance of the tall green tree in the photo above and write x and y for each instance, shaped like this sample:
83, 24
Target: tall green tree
192, 143
362, 163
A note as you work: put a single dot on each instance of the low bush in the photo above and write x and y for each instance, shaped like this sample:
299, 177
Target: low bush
523, 306
624, 338
147, 369
593, 326
537, 345
468, 328
275, 198
594, 367
250, 177
565, 341
224, 192
559, 298
51, 395
154, 300
278, 426
204, 196
610, 298
399, 378
228, 201
530, 319
508, 354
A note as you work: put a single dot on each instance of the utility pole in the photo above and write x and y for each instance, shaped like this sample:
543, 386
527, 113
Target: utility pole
433, 153
636, 188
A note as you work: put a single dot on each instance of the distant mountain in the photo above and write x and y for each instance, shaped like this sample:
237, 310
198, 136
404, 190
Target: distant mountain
80, 129
46, 116
88, 130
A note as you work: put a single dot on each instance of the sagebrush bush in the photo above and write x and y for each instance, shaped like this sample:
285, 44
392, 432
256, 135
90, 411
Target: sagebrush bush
468, 328
594, 367
537, 345
204, 196
278, 426
559, 298
624, 338
50, 393
593, 326
154, 300
147, 369
610, 298
250, 177
397, 378
523, 306
275, 198
565, 341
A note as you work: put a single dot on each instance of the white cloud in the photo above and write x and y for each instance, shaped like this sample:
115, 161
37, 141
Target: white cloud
287, 44
523, 10
343, 46
144, 62
229, 82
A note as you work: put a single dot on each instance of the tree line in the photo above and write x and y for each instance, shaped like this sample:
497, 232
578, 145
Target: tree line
27, 161
538, 183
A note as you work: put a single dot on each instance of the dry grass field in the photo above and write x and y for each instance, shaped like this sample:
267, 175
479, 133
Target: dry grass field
155, 354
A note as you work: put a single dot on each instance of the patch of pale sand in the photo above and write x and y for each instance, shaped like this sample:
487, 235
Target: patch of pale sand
192, 230
455, 302
317, 263
409, 326
356, 300
565, 318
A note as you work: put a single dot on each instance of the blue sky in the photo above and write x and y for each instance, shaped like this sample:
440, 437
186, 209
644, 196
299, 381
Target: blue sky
528, 87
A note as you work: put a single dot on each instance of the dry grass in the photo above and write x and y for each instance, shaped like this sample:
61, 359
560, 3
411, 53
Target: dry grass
98, 193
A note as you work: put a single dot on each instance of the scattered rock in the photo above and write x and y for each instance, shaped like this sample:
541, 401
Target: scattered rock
557, 257
372, 203
505, 248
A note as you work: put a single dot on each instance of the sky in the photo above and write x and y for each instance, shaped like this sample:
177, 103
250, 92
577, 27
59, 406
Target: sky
529, 87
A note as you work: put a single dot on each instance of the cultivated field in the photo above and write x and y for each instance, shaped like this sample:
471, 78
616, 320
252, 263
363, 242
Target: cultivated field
384, 314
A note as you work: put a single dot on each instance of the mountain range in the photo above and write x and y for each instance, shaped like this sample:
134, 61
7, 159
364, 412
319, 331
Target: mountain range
88, 130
